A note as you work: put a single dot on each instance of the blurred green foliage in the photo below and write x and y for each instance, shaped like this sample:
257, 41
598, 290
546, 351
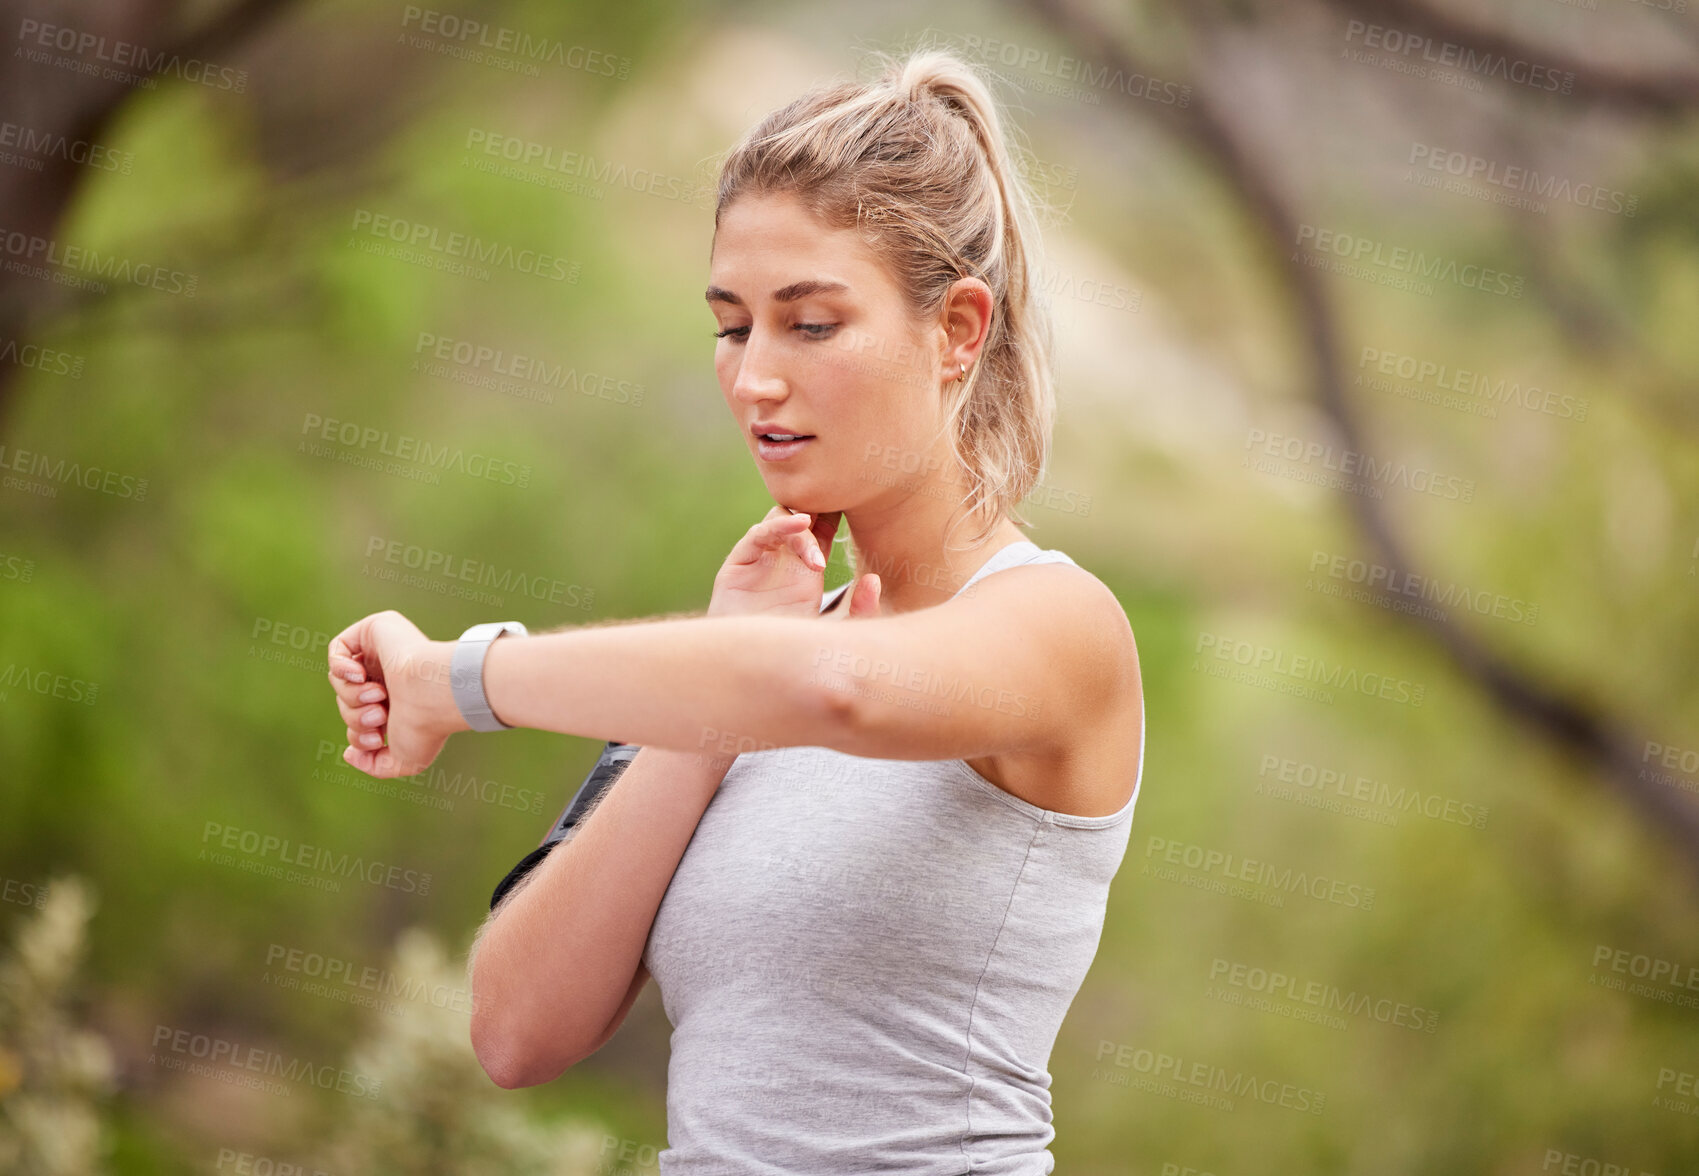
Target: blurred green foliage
200, 610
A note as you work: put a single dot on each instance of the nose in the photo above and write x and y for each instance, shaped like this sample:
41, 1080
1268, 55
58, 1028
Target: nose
759, 374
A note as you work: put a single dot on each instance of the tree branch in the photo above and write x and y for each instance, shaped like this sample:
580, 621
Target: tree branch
83, 111
1663, 94
1556, 716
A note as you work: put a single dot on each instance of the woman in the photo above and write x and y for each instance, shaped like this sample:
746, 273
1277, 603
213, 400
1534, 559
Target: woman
863, 850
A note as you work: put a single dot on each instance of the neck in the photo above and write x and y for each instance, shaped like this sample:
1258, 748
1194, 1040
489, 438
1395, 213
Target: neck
903, 543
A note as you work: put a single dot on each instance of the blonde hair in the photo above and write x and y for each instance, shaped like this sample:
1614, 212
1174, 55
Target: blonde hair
916, 161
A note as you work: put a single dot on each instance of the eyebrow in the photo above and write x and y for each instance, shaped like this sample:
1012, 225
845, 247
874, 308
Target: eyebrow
788, 293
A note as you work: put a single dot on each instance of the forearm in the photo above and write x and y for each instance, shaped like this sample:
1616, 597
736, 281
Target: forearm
684, 685
558, 956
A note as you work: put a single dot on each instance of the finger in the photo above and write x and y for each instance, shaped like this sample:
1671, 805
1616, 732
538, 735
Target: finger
784, 521
363, 718
807, 549
864, 598
776, 530
357, 693
345, 652
368, 740
825, 530
804, 541
767, 535
871, 596
771, 537
854, 600
380, 764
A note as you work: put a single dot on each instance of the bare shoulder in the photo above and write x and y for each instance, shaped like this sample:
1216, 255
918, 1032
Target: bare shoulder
1076, 615
1084, 632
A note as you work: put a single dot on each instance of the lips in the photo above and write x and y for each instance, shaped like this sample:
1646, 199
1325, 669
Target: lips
770, 449
774, 431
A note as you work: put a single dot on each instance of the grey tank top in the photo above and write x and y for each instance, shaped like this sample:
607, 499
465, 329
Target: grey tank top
866, 963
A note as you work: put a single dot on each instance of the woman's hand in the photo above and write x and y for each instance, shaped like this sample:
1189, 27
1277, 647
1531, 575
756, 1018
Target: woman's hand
391, 683
779, 566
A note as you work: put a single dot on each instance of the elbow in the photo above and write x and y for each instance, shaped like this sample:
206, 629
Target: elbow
503, 1069
507, 1046
511, 1062
498, 1052
513, 1076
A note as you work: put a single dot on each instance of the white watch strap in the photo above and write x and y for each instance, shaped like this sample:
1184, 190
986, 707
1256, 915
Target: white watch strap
466, 673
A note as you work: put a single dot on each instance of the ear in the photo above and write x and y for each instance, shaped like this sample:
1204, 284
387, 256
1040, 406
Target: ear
964, 324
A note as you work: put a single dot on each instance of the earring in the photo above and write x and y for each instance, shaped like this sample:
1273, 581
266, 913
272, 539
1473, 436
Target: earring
963, 376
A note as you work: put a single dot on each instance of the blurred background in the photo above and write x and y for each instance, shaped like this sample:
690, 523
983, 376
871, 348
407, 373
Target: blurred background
1377, 326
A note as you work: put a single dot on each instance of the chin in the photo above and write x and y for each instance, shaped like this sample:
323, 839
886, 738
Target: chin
806, 499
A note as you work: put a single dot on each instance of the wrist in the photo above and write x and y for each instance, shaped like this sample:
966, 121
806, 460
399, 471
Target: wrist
432, 665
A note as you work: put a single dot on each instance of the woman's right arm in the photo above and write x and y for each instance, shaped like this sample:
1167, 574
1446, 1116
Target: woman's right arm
559, 962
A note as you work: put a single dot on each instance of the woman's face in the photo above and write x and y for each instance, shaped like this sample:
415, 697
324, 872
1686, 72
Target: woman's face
815, 340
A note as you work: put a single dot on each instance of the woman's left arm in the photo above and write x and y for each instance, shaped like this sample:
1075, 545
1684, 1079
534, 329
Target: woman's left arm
1020, 662
1014, 664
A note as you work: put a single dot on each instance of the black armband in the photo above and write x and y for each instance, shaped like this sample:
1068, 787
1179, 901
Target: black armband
615, 758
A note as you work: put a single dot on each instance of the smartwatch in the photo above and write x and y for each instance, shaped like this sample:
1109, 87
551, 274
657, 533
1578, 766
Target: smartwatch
466, 673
